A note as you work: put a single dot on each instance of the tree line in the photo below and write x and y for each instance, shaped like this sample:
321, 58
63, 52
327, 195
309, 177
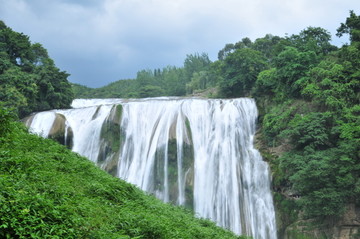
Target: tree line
168, 81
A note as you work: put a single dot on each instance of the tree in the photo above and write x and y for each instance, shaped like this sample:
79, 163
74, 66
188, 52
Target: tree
195, 63
16, 45
29, 79
314, 39
223, 53
291, 66
19, 90
54, 89
329, 85
240, 71
4, 62
266, 83
174, 81
351, 27
198, 82
268, 46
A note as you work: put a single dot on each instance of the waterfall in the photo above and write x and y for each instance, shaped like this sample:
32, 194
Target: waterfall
197, 153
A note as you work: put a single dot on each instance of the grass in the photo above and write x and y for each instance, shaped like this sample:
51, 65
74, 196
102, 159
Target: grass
47, 191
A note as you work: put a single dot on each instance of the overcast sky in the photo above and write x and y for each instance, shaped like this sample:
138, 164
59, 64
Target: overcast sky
102, 41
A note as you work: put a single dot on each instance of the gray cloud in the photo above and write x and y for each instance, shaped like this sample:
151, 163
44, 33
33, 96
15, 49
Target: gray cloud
98, 42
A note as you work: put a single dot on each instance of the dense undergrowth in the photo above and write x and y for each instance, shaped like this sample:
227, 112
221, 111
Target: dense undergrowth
47, 191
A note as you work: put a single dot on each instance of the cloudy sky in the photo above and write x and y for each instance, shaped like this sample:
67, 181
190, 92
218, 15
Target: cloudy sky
101, 41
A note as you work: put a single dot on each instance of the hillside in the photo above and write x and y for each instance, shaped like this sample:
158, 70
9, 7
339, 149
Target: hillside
49, 192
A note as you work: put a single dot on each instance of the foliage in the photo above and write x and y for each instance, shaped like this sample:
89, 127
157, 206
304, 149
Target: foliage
308, 94
313, 39
50, 192
240, 70
29, 79
322, 163
351, 27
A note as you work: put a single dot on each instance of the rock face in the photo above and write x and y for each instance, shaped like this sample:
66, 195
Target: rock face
290, 222
60, 132
111, 139
347, 227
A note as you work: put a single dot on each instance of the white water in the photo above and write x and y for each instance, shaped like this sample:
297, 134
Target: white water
42, 123
228, 180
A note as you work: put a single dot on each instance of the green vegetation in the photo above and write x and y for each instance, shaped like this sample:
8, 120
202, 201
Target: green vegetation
170, 81
29, 79
315, 111
308, 95
307, 91
49, 192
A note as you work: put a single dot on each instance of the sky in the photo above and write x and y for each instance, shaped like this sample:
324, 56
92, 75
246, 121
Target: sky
101, 41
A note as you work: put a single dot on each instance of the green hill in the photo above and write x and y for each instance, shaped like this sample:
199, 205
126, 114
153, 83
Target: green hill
47, 191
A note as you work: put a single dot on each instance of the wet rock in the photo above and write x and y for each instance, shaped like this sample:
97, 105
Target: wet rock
60, 132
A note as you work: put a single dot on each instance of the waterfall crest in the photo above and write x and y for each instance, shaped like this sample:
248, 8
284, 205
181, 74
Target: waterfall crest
197, 153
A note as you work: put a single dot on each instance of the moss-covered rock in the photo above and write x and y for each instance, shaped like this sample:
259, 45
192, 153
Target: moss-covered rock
111, 139
186, 164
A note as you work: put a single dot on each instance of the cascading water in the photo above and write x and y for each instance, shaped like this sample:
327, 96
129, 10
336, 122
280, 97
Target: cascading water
193, 152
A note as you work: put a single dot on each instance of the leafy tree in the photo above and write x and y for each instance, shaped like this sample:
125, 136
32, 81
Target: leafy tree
292, 65
268, 46
29, 79
329, 84
16, 45
223, 53
310, 130
240, 71
230, 48
19, 90
198, 82
174, 81
314, 39
266, 83
195, 63
351, 27
310, 100
4, 62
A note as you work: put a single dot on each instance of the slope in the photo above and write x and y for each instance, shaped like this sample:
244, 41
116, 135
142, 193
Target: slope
49, 192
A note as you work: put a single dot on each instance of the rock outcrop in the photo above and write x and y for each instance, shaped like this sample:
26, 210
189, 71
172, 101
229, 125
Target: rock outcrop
346, 227
60, 132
